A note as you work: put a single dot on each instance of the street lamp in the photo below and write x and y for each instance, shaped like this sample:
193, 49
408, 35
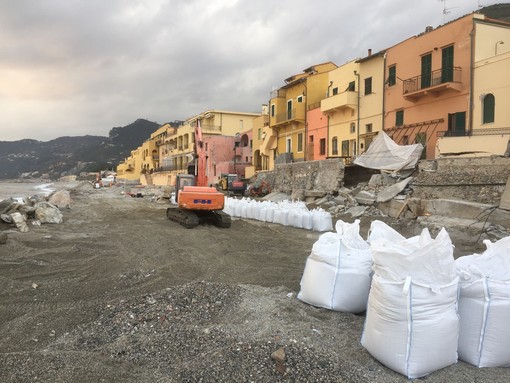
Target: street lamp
496, 47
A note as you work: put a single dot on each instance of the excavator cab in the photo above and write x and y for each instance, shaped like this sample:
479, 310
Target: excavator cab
181, 181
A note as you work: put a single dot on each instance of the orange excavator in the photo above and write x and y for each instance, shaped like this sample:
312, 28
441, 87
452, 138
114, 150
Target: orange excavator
196, 202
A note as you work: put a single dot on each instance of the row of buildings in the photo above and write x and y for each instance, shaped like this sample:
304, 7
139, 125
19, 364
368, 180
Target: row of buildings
447, 88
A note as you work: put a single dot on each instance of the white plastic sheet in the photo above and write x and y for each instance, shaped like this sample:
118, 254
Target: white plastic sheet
337, 273
484, 306
386, 154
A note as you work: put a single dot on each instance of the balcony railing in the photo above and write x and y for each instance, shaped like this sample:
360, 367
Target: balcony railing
434, 81
278, 93
290, 115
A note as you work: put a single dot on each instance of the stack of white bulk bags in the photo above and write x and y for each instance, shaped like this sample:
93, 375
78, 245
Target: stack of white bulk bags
338, 271
411, 323
287, 213
484, 306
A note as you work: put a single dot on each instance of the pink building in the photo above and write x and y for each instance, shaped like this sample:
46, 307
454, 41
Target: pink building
227, 155
317, 131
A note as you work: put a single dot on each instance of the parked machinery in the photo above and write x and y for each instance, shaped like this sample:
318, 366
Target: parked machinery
196, 202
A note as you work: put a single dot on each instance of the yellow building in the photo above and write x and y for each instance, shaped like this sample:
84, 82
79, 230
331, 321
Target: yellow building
130, 170
285, 140
354, 106
260, 129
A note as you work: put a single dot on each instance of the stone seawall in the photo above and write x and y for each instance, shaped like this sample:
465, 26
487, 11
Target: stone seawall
481, 179
323, 176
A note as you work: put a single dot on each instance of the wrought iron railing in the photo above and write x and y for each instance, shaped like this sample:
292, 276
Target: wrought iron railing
437, 77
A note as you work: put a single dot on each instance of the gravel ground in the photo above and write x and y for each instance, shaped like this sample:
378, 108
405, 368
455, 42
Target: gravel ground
117, 293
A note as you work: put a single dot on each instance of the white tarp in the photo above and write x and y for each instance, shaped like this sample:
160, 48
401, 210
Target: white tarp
384, 154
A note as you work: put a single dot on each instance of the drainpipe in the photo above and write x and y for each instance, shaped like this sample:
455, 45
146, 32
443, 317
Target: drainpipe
383, 92
357, 125
327, 126
471, 77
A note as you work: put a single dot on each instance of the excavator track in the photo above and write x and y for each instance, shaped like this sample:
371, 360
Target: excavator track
190, 218
221, 219
186, 218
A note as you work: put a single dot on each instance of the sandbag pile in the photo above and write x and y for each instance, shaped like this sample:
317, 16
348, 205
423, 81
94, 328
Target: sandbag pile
287, 213
338, 271
484, 306
411, 323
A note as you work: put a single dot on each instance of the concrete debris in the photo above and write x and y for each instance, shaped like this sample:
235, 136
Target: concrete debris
3, 238
356, 211
48, 213
20, 222
34, 210
61, 199
392, 191
365, 198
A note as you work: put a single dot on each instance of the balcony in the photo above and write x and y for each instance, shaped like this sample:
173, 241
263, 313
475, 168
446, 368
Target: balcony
435, 83
289, 116
278, 93
340, 101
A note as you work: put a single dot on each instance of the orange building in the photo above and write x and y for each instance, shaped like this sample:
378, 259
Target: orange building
428, 85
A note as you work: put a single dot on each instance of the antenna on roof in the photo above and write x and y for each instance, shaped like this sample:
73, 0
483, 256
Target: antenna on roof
446, 10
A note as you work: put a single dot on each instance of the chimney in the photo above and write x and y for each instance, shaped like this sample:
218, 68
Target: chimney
369, 51
428, 29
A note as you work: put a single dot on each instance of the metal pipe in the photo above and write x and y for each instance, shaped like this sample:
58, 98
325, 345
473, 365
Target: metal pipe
358, 118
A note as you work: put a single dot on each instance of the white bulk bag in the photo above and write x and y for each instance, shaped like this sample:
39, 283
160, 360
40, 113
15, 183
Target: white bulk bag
322, 220
295, 218
484, 306
412, 324
410, 328
307, 220
281, 215
338, 271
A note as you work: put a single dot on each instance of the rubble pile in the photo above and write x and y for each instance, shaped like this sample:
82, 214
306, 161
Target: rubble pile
35, 210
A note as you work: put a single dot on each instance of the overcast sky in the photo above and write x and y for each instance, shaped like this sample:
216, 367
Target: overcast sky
82, 67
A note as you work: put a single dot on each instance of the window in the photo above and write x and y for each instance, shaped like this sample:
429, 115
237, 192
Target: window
299, 98
272, 110
421, 138
345, 148
399, 118
334, 146
351, 87
322, 144
392, 75
300, 142
457, 124
352, 128
488, 106
289, 109
368, 128
241, 125
335, 91
288, 147
368, 85
310, 139
447, 64
259, 134
426, 71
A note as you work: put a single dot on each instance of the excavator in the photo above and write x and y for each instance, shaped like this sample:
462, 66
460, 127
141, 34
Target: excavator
196, 202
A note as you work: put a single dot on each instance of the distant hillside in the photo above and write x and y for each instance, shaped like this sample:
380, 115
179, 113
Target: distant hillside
497, 11
72, 155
